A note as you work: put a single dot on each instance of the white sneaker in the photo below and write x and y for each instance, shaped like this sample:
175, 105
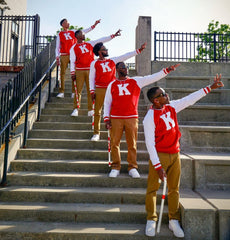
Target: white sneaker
95, 137
114, 173
134, 173
72, 96
175, 227
90, 113
60, 95
74, 113
150, 229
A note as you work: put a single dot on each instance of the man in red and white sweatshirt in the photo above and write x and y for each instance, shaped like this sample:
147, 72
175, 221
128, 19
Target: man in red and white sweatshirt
120, 113
162, 136
65, 40
81, 56
102, 72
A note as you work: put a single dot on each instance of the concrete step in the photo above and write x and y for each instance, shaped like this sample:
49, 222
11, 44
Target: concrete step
92, 167
55, 105
75, 212
73, 134
70, 126
84, 112
205, 138
211, 170
205, 113
221, 204
69, 100
183, 119
217, 97
191, 81
198, 216
77, 166
76, 144
72, 179
71, 231
73, 195
59, 154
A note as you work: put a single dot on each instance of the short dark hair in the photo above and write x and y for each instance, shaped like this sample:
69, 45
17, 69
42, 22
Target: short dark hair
61, 22
77, 32
152, 92
118, 64
97, 48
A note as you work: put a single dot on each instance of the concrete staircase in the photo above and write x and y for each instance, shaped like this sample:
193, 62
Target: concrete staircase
59, 186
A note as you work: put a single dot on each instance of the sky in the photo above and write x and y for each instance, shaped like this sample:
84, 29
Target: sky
166, 15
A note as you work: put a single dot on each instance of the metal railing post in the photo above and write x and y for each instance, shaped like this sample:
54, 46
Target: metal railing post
155, 46
57, 69
26, 124
49, 76
7, 139
214, 47
39, 102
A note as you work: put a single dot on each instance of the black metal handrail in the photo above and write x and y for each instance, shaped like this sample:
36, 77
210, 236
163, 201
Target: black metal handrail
192, 47
18, 94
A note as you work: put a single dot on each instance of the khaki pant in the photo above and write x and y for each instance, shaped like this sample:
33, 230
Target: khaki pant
130, 126
64, 61
171, 164
100, 96
82, 76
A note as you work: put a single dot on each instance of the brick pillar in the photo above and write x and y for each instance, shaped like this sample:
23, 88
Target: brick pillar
143, 34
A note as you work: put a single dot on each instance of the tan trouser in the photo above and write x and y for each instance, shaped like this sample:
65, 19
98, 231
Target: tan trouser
130, 126
100, 96
171, 164
81, 77
64, 61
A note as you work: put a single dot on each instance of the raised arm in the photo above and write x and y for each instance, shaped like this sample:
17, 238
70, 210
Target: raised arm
146, 80
192, 98
105, 39
128, 55
92, 27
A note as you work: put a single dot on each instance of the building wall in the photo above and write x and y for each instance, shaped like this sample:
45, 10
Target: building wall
17, 7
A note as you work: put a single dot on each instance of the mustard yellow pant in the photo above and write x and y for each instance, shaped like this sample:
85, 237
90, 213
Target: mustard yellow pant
82, 76
130, 126
171, 164
64, 61
99, 100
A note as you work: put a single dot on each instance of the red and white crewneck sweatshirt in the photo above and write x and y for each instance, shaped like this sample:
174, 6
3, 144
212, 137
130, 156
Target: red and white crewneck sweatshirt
81, 54
66, 39
121, 98
161, 128
102, 72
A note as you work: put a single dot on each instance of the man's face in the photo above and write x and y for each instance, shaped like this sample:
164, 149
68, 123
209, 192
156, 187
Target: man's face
104, 51
65, 24
162, 96
122, 70
81, 35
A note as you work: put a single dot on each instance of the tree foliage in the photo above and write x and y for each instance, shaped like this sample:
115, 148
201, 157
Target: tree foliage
214, 44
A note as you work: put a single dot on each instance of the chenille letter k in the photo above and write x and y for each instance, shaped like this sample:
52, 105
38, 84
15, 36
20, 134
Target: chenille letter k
167, 119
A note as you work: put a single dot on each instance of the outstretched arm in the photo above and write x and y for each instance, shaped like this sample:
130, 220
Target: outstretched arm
146, 80
128, 55
92, 27
105, 39
192, 98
